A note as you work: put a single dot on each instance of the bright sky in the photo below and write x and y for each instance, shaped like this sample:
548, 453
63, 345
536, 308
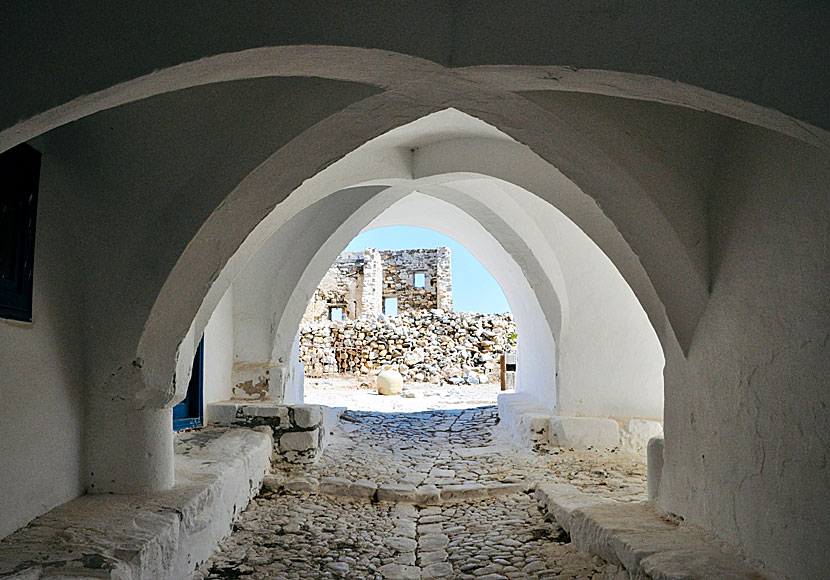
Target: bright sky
474, 288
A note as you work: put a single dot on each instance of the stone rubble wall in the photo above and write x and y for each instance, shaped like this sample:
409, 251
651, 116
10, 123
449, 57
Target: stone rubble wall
425, 346
343, 285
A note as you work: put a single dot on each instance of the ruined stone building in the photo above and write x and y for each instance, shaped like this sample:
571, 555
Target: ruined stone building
648, 182
375, 282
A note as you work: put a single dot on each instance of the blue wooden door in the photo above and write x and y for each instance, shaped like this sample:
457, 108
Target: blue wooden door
188, 413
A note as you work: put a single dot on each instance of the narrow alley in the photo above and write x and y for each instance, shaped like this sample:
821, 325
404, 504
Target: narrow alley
436, 494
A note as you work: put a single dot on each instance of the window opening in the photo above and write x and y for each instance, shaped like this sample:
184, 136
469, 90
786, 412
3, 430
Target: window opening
390, 306
420, 279
19, 177
336, 313
188, 413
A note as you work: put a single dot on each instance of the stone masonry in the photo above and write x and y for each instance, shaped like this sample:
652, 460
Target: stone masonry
299, 431
359, 282
424, 346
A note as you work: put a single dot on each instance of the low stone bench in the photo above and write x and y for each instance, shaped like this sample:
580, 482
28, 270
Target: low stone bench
300, 431
160, 535
635, 536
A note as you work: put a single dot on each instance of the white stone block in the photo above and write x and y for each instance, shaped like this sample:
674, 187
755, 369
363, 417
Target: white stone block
265, 411
306, 416
638, 433
302, 484
397, 492
335, 486
427, 495
221, 413
580, 433
363, 489
463, 492
299, 441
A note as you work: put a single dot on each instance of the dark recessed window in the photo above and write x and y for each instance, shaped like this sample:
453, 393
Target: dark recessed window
19, 176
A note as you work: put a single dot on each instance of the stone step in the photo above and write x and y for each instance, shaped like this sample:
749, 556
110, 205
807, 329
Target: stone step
422, 495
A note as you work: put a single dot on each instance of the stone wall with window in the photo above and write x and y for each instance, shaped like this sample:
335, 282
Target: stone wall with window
371, 282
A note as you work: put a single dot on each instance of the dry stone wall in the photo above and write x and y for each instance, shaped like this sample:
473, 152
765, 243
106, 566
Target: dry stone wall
425, 346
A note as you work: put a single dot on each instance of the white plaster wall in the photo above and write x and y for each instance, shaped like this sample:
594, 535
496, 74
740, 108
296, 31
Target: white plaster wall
219, 351
41, 395
610, 359
747, 441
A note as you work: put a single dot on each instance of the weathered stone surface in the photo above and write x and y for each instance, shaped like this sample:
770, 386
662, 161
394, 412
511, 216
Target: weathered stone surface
397, 493
307, 416
402, 544
302, 484
427, 494
437, 570
637, 433
336, 486
299, 441
400, 572
363, 488
271, 483
463, 492
426, 558
432, 542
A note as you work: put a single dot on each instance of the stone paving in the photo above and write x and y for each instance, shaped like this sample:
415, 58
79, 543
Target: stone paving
343, 528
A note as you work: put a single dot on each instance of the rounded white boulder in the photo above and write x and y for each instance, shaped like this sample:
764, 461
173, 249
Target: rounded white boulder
390, 382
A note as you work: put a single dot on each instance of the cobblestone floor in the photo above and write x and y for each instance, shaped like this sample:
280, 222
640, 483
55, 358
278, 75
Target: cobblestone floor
286, 535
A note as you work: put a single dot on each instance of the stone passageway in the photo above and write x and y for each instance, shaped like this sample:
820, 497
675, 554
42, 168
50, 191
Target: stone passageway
438, 494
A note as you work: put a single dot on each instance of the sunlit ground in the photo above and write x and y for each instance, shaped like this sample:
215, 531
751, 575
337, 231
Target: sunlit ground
361, 395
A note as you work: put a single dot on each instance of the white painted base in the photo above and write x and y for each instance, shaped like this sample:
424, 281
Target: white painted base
524, 420
533, 426
160, 535
583, 433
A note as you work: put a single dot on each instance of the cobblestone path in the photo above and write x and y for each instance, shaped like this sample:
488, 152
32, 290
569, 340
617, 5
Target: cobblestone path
326, 530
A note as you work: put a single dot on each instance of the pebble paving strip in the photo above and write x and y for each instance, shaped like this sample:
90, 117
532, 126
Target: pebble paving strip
285, 535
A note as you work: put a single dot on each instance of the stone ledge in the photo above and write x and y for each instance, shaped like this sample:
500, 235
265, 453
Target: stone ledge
161, 535
634, 536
